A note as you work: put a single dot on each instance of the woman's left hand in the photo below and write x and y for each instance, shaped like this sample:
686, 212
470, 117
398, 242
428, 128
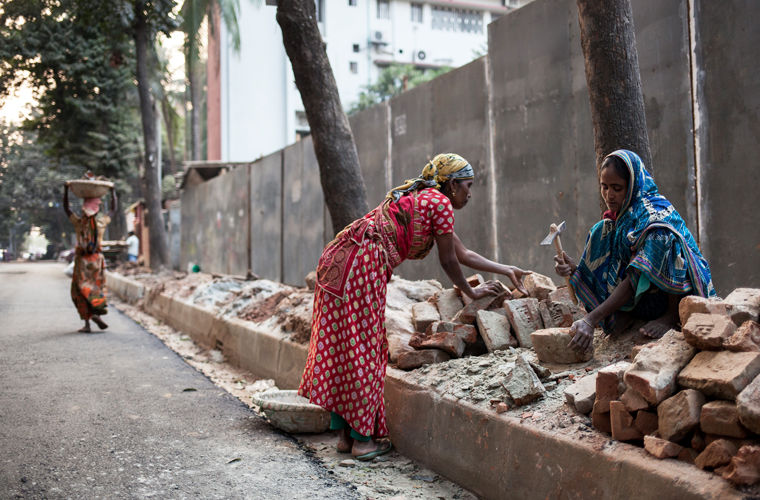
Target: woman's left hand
515, 275
583, 335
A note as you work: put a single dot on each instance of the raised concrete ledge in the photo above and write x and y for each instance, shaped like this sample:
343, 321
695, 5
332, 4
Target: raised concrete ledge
495, 456
128, 290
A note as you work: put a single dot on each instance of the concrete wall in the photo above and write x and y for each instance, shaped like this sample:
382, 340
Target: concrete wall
521, 116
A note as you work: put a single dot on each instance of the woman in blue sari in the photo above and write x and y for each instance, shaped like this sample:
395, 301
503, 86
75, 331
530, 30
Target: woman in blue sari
639, 258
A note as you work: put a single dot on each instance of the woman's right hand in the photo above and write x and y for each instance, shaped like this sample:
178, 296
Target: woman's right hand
487, 288
564, 266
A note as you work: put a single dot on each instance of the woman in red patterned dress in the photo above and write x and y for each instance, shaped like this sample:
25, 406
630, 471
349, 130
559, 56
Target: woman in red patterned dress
348, 351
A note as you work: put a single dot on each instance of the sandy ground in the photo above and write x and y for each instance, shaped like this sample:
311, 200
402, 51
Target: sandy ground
391, 476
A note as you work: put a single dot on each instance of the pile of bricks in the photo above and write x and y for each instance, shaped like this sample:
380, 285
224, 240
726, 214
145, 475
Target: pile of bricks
694, 394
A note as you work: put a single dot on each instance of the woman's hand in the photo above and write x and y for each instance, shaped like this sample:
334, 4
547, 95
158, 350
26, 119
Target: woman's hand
515, 275
583, 335
487, 288
564, 266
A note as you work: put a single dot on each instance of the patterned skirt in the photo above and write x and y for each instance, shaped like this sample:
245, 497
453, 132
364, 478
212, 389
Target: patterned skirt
88, 284
348, 350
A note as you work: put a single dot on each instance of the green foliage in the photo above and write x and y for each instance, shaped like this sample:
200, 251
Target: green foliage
392, 81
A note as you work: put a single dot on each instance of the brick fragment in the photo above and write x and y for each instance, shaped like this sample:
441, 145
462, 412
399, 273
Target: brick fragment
744, 468
414, 359
653, 373
708, 331
311, 280
582, 393
468, 333
744, 305
661, 448
698, 442
539, 286
474, 281
720, 374
679, 414
423, 314
495, 330
444, 340
716, 454
692, 304
552, 346
448, 303
555, 314
722, 418
524, 317
633, 401
609, 384
621, 423
745, 339
687, 455
646, 422
561, 294
748, 406
468, 313
522, 383
601, 419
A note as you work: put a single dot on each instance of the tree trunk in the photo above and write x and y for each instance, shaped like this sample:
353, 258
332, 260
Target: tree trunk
339, 171
169, 124
159, 248
612, 75
195, 126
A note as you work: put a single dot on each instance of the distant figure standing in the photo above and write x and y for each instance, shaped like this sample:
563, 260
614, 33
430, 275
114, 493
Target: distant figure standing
88, 284
133, 248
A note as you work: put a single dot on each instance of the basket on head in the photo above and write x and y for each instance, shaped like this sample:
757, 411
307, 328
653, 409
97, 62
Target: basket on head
85, 188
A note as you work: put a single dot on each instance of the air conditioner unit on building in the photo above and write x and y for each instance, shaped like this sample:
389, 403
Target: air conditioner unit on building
380, 37
421, 55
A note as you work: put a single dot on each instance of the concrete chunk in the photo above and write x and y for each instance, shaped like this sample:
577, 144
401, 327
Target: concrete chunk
414, 359
522, 383
748, 406
448, 303
494, 328
524, 317
582, 393
708, 331
661, 448
653, 373
722, 418
621, 423
679, 414
716, 454
744, 305
555, 314
744, 468
720, 374
551, 346
745, 339
539, 286
423, 314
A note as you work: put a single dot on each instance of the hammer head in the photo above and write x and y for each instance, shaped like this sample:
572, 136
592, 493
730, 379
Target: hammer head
554, 231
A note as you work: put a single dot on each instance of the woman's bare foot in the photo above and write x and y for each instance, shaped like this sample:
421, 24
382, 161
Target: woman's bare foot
85, 328
658, 327
101, 324
344, 441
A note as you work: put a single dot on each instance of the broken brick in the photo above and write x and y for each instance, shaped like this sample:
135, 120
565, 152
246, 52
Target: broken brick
646, 422
601, 419
448, 303
661, 448
748, 406
552, 346
582, 393
414, 359
693, 304
524, 317
609, 383
621, 423
708, 331
744, 305
468, 313
555, 314
633, 401
494, 328
539, 286
447, 341
720, 374
744, 468
679, 414
722, 418
745, 339
716, 454
687, 455
423, 314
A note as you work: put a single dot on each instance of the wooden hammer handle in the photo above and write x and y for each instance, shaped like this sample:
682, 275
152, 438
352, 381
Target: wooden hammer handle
560, 254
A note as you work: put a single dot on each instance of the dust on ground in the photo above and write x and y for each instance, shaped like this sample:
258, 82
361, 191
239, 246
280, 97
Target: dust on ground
390, 476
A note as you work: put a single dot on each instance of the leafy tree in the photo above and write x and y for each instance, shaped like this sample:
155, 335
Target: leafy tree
393, 80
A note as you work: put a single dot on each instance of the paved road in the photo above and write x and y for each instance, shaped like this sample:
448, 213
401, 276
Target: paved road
107, 415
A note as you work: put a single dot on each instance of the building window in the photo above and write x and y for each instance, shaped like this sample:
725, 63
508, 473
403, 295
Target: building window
416, 12
355, 47
352, 3
354, 67
383, 9
460, 20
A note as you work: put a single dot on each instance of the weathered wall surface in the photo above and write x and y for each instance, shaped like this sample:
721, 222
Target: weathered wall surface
521, 116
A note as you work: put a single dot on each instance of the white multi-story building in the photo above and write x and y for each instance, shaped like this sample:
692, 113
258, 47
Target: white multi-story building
254, 105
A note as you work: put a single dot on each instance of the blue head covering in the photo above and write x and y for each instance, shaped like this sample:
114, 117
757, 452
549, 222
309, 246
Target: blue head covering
649, 238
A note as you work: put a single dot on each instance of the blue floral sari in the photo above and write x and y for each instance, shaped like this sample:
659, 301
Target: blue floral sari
649, 242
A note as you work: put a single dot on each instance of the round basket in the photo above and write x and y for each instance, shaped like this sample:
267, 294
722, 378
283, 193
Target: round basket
290, 412
90, 189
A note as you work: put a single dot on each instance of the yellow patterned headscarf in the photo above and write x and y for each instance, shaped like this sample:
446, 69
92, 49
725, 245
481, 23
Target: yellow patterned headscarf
444, 167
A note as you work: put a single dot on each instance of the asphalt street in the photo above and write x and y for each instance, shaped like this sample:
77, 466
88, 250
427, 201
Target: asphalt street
116, 414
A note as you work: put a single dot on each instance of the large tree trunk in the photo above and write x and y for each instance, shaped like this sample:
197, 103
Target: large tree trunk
612, 75
339, 171
195, 109
159, 248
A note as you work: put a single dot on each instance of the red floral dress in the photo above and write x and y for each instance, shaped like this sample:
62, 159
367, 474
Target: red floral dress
348, 351
88, 283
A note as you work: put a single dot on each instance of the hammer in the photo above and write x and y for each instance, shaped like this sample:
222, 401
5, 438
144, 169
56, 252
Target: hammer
553, 236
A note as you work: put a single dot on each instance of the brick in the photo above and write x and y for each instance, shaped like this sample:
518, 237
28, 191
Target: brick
633, 401
687, 455
692, 304
698, 442
744, 468
708, 331
551, 346
720, 374
468, 313
423, 314
748, 406
414, 359
582, 393
495, 330
522, 383
555, 314
468, 333
744, 305
609, 384
446, 341
561, 294
745, 339
661, 448
311, 280
716, 454
448, 303
722, 418
539, 286
646, 422
474, 281
524, 317
654, 370
621, 423
601, 419
679, 414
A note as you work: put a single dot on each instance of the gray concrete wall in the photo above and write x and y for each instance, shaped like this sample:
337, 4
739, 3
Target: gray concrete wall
266, 217
370, 128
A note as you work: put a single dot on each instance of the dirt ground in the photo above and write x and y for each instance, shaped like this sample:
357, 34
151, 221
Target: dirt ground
391, 476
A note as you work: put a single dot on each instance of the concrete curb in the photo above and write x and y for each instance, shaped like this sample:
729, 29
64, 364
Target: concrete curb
494, 456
